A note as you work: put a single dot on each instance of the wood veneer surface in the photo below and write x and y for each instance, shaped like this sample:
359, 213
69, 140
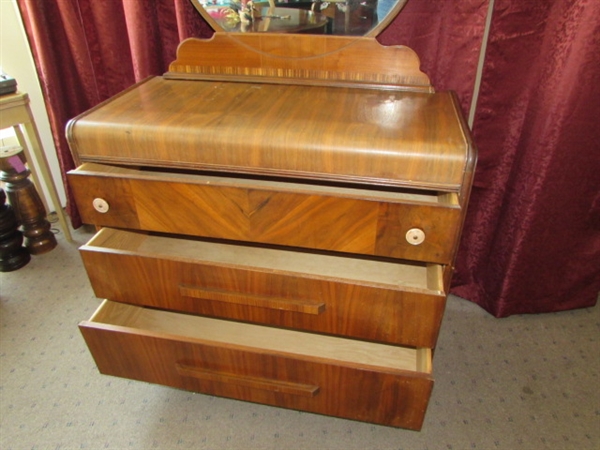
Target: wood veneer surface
309, 59
339, 377
374, 300
362, 135
360, 221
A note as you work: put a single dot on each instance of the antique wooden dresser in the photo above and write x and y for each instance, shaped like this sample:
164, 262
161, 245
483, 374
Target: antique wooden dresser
278, 217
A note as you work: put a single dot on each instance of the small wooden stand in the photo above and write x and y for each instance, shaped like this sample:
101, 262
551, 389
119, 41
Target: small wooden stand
15, 112
13, 255
26, 201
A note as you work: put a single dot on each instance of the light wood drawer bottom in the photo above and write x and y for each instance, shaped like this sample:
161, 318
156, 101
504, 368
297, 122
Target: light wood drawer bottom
364, 381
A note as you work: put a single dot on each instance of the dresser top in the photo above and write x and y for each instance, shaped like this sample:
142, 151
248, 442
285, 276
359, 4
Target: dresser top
358, 135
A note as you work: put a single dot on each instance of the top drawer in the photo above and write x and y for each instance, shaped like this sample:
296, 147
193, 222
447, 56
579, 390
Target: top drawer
390, 223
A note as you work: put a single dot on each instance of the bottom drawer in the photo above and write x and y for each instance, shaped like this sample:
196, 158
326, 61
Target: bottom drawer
358, 380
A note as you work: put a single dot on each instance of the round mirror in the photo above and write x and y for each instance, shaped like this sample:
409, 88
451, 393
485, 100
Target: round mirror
333, 17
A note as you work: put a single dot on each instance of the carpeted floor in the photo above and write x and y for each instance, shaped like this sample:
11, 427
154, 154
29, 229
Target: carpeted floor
527, 382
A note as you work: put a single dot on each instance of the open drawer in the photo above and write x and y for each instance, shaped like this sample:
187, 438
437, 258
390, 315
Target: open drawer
389, 222
395, 302
371, 382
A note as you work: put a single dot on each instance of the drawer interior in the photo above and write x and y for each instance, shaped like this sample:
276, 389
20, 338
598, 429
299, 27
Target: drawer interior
347, 190
296, 344
405, 275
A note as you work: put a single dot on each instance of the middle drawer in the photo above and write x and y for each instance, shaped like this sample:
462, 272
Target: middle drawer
398, 303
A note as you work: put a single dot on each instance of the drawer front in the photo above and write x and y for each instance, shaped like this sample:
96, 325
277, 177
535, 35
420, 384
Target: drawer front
326, 218
327, 294
305, 382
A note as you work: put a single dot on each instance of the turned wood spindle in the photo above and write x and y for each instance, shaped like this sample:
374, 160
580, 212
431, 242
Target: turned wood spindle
13, 255
26, 201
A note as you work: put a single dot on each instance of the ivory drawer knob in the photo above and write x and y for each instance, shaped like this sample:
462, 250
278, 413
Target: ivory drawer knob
415, 236
100, 205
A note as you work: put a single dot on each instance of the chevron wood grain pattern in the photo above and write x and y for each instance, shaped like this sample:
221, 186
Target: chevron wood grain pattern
342, 220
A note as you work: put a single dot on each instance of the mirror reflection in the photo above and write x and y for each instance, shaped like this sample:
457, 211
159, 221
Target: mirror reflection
335, 17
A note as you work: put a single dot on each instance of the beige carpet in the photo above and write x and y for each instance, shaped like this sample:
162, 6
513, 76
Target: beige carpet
527, 382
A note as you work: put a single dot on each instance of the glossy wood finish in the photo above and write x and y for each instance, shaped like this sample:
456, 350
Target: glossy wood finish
327, 375
312, 191
374, 300
300, 59
363, 136
342, 219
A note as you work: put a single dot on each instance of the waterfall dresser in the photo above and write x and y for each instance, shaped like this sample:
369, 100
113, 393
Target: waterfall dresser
278, 217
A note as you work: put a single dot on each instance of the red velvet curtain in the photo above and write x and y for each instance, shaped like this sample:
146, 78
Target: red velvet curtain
85, 51
531, 241
532, 237
447, 36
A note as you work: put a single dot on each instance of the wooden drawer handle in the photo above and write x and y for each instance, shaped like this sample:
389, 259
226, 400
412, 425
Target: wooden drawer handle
283, 387
294, 305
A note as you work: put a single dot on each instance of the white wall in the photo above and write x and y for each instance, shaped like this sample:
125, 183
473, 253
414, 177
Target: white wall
16, 60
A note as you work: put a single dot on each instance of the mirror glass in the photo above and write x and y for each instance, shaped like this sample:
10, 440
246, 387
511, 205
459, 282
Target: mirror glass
334, 17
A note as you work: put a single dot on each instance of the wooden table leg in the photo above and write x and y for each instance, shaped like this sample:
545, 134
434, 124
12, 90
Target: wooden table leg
13, 255
26, 201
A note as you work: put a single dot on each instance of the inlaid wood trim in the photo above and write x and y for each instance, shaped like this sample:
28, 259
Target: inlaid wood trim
299, 76
272, 57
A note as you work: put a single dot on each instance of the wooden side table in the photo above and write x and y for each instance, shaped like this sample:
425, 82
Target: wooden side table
16, 113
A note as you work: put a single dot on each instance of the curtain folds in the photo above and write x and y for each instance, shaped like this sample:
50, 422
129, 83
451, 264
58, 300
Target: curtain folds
447, 37
86, 51
532, 237
531, 241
